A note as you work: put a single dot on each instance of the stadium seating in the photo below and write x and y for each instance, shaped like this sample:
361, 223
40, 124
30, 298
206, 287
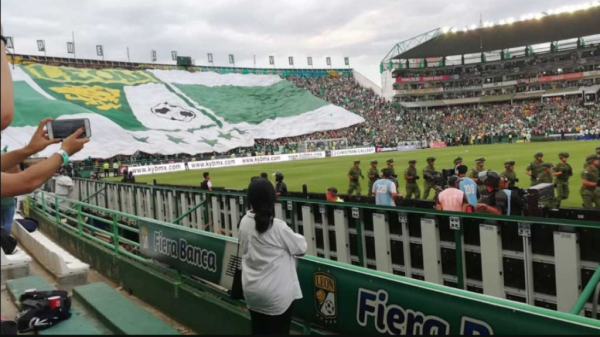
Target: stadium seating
66, 268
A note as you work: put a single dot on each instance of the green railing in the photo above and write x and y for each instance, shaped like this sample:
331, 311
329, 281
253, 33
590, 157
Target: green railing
358, 293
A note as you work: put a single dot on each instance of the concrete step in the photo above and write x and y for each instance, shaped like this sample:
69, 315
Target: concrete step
118, 313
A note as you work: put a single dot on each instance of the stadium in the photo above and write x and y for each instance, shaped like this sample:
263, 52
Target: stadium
136, 208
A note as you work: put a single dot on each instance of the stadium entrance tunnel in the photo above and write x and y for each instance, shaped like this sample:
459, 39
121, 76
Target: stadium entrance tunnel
397, 265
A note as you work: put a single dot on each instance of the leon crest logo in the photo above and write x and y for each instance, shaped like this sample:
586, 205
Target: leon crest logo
144, 238
326, 297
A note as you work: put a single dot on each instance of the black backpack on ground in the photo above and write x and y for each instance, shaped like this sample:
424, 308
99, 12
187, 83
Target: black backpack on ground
9, 328
36, 314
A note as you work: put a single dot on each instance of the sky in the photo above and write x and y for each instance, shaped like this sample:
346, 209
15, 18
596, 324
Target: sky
363, 30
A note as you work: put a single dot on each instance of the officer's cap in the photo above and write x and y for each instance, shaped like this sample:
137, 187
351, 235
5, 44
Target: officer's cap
430, 159
458, 160
374, 162
539, 154
509, 163
389, 161
480, 160
564, 155
357, 162
547, 165
412, 161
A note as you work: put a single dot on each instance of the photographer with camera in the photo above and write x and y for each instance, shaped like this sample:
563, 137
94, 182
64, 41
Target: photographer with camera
452, 199
385, 190
373, 174
516, 198
494, 201
411, 177
535, 168
468, 185
429, 173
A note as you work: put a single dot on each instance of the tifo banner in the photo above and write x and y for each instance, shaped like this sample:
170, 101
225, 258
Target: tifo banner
437, 145
210, 259
352, 152
167, 112
349, 300
222, 163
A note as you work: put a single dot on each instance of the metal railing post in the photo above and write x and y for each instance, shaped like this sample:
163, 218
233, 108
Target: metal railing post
115, 230
587, 292
79, 221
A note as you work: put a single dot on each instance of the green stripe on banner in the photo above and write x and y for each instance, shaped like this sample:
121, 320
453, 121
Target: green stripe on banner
254, 105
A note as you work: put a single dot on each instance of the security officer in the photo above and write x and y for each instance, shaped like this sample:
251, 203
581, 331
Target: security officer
457, 162
563, 172
353, 175
545, 177
590, 191
535, 168
427, 172
116, 166
411, 177
393, 175
598, 151
510, 174
106, 169
480, 167
373, 174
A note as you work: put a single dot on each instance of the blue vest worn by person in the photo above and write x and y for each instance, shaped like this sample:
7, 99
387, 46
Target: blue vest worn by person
469, 186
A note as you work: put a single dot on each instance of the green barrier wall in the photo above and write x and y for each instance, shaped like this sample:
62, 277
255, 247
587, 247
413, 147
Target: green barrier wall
337, 297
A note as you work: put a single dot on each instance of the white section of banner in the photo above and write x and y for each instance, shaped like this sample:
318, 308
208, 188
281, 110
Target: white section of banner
222, 163
352, 152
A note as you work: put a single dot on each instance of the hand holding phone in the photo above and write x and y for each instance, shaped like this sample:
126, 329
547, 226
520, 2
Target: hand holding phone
40, 140
74, 143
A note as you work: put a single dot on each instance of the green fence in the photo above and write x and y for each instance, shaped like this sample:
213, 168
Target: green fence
338, 297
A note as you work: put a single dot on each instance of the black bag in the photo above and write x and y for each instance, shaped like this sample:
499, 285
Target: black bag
30, 225
237, 290
8, 243
36, 314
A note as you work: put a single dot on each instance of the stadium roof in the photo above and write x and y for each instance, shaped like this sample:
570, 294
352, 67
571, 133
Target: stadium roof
519, 34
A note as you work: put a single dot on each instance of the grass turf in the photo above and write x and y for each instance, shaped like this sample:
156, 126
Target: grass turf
323, 173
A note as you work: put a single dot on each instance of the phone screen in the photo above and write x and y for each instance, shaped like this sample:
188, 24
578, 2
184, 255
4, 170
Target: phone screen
64, 128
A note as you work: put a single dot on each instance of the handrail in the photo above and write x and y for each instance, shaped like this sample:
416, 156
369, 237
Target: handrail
95, 194
190, 211
517, 219
587, 292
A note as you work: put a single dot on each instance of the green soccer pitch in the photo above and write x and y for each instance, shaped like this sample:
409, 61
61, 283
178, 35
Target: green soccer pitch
323, 173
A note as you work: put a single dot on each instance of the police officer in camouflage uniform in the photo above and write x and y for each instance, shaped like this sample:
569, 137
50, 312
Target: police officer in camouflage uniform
590, 191
428, 171
353, 175
393, 175
545, 177
563, 172
480, 167
457, 162
411, 177
510, 174
598, 151
535, 168
373, 174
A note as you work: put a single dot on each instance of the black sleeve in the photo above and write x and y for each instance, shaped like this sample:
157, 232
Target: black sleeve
502, 202
517, 204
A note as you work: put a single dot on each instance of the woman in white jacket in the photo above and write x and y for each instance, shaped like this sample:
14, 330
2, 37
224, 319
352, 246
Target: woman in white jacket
269, 252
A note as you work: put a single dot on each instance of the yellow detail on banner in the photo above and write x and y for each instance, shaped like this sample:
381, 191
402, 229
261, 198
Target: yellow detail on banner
99, 97
87, 76
333, 73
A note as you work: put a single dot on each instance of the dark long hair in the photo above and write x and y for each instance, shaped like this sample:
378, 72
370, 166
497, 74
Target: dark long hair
261, 196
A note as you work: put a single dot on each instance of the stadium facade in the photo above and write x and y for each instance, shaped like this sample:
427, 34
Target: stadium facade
548, 55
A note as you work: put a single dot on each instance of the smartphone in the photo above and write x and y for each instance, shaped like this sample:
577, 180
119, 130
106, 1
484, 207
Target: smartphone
64, 128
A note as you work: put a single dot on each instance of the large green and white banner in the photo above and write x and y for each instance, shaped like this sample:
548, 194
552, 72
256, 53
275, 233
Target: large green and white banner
349, 300
167, 112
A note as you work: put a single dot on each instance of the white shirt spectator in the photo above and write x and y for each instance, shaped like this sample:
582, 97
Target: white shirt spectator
269, 276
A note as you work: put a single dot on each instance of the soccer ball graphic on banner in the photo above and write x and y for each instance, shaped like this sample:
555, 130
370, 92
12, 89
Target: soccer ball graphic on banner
174, 112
